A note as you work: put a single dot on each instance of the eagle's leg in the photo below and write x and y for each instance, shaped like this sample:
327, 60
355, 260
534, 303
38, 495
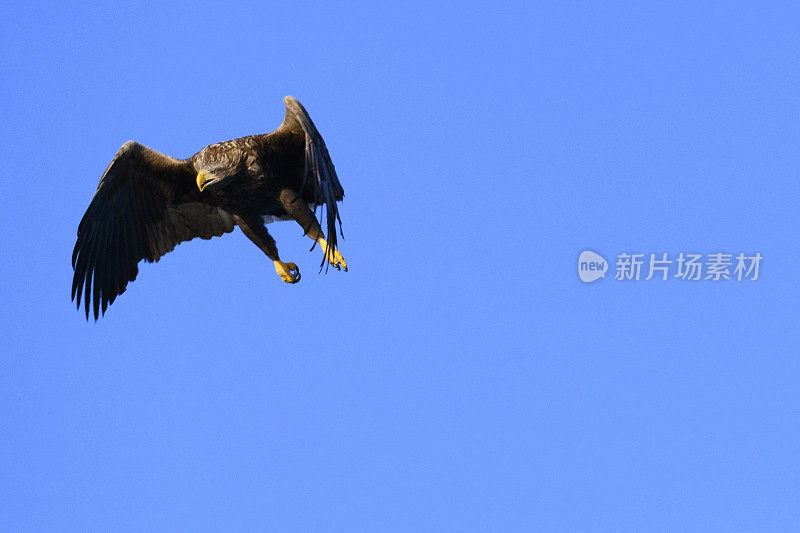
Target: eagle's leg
253, 227
299, 210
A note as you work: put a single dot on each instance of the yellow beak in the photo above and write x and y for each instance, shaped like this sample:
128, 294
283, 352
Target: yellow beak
202, 180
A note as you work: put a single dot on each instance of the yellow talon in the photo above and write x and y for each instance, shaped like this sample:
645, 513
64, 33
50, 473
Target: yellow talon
287, 271
336, 260
332, 255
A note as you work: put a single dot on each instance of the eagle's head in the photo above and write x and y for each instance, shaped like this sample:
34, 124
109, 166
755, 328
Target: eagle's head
218, 173
212, 179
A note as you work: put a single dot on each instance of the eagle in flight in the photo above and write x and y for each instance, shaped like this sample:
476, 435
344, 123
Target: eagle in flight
147, 203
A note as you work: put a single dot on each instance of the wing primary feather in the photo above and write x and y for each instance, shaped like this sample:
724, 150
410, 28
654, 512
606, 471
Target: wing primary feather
98, 280
76, 276
86, 293
76, 249
80, 265
77, 281
112, 276
132, 244
90, 266
123, 246
100, 269
84, 267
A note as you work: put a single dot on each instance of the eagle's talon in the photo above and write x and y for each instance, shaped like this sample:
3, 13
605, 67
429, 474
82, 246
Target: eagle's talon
335, 258
287, 271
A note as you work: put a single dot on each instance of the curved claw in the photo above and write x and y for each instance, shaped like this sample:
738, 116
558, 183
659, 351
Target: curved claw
287, 271
335, 258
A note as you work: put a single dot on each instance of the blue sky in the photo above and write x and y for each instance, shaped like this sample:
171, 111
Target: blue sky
460, 376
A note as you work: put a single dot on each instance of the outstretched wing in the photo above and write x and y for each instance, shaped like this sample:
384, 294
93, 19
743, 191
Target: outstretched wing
145, 205
319, 170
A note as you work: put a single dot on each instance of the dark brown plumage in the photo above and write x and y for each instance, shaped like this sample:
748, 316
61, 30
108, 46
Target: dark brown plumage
147, 203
